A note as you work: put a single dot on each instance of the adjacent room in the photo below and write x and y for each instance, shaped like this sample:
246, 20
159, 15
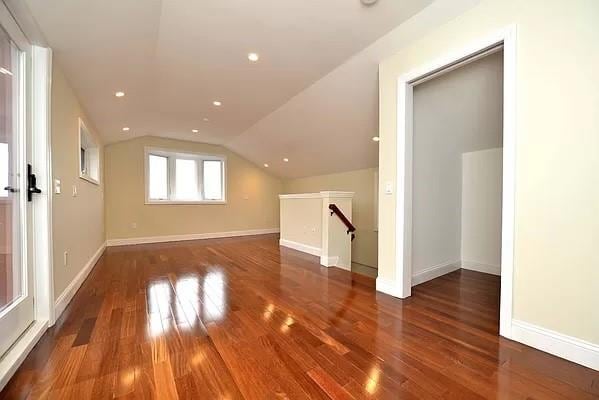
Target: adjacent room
348, 199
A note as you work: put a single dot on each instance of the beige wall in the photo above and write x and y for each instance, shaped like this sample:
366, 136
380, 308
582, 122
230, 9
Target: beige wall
557, 198
77, 222
301, 221
444, 129
361, 182
252, 195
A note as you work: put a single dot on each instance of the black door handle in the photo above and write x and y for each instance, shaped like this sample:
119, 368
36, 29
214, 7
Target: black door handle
31, 183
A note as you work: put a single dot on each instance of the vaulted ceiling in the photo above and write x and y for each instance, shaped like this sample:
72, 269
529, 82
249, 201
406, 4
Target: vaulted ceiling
174, 58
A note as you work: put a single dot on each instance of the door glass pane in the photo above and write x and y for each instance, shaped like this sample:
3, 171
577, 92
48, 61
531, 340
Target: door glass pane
11, 269
213, 180
158, 176
186, 179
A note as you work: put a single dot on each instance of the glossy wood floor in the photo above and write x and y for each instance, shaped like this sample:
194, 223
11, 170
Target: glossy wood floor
241, 318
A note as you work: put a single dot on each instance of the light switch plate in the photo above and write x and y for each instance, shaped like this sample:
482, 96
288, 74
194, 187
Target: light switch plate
388, 187
57, 188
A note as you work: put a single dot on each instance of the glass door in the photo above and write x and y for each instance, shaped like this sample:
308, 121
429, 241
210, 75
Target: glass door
16, 280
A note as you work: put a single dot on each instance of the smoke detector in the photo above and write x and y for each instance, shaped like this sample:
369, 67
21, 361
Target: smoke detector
368, 2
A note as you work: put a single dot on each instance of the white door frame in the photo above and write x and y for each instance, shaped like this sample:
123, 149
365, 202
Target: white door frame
405, 133
38, 120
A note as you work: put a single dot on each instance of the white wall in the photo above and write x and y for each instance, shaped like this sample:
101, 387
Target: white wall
481, 210
455, 113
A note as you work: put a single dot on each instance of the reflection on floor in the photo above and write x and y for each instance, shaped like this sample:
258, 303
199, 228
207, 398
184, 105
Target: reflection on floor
243, 318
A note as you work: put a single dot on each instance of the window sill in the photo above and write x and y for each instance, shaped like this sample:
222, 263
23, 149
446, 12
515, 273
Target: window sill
180, 202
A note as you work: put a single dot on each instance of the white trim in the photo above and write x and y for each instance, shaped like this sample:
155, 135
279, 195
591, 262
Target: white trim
480, 267
558, 344
315, 251
318, 195
86, 176
330, 261
13, 359
343, 267
182, 202
42, 205
387, 286
67, 295
435, 271
301, 196
403, 281
191, 236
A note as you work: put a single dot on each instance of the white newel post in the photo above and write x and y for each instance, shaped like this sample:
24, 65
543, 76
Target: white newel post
336, 242
308, 226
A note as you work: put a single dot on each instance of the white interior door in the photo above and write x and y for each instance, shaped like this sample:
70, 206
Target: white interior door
16, 271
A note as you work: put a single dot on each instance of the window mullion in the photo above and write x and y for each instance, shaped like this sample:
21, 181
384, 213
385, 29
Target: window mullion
172, 165
201, 178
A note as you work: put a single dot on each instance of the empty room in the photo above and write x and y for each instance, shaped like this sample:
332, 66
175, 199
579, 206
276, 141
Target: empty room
348, 199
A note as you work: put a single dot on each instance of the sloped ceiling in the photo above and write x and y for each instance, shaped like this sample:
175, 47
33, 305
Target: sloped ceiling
173, 58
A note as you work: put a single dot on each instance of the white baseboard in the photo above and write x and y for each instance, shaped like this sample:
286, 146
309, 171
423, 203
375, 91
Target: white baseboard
388, 286
568, 347
315, 251
329, 261
342, 266
66, 296
191, 236
15, 356
486, 268
435, 272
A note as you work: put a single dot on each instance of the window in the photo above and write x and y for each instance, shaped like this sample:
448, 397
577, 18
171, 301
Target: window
89, 155
178, 177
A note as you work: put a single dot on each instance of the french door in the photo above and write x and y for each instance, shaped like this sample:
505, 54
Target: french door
16, 271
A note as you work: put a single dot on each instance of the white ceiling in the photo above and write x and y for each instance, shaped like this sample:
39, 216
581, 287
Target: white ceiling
174, 57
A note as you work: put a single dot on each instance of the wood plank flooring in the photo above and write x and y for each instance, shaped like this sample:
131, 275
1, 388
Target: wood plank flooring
243, 319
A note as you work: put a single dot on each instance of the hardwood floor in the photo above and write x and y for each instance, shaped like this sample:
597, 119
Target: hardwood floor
241, 318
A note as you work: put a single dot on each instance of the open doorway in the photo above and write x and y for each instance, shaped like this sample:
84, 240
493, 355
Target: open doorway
427, 214
457, 177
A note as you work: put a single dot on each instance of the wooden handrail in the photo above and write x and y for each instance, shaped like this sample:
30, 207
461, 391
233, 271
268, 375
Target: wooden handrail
350, 227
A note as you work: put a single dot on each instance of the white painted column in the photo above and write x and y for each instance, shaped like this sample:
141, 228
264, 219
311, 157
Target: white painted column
336, 242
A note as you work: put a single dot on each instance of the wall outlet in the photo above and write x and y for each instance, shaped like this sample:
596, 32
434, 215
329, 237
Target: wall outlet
65, 258
57, 188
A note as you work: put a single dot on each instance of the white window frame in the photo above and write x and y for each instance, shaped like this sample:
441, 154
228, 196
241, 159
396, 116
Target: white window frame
171, 156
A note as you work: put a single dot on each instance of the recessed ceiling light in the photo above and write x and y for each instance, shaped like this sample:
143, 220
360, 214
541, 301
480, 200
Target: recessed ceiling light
265, 165
194, 130
206, 119
119, 94
253, 57
217, 103
376, 138
126, 128
285, 159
